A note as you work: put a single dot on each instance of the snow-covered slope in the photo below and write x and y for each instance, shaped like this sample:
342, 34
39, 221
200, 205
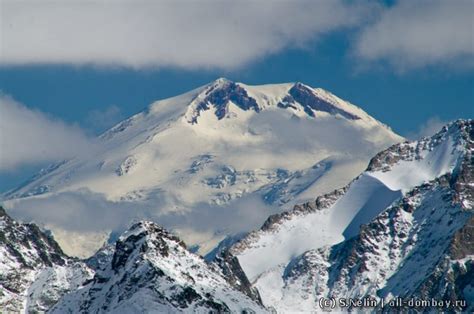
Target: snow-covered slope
414, 201
150, 271
418, 248
34, 272
202, 161
147, 270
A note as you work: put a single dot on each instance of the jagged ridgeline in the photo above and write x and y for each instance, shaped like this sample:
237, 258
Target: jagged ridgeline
34, 272
147, 269
403, 228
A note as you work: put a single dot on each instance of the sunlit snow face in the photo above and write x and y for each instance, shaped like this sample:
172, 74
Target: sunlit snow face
213, 175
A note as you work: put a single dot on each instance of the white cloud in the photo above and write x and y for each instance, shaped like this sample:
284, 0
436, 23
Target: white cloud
83, 210
31, 137
414, 34
188, 34
228, 34
429, 128
78, 217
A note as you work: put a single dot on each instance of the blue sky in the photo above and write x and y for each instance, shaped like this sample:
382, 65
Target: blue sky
412, 73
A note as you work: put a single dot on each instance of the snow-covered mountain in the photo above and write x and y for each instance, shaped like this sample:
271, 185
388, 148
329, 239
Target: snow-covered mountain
34, 272
147, 270
213, 162
403, 228
151, 271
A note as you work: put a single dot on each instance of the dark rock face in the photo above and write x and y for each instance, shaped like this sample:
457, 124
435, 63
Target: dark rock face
235, 275
463, 183
124, 248
455, 270
462, 244
27, 253
303, 95
17, 237
151, 269
219, 97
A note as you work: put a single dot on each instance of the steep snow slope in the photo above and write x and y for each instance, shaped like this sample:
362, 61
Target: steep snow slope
202, 161
150, 271
304, 231
420, 248
34, 273
267, 255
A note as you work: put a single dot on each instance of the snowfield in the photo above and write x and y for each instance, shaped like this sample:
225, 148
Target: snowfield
210, 163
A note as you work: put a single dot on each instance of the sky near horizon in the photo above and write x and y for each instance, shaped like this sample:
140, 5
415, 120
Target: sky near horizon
70, 69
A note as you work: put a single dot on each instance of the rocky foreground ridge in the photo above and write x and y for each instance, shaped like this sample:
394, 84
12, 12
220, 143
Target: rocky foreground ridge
419, 246
147, 269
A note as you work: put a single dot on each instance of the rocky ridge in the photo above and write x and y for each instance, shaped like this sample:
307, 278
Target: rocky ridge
151, 270
420, 247
34, 272
147, 269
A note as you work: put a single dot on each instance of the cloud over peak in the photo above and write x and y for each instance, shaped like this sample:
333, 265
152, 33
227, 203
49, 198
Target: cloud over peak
188, 34
229, 34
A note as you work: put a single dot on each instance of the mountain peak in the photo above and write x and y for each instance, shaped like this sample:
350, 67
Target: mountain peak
217, 96
151, 270
301, 85
221, 81
313, 102
149, 230
463, 125
296, 97
28, 254
215, 145
142, 238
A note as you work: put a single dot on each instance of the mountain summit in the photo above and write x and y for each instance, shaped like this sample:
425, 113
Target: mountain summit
200, 162
298, 98
149, 269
